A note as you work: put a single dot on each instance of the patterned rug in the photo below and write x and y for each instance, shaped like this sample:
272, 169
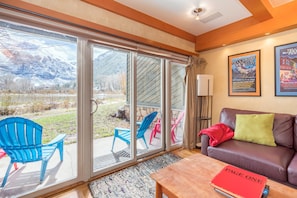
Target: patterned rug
132, 182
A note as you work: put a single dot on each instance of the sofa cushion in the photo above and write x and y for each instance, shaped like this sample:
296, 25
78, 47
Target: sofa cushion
256, 128
271, 161
282, 127
292, 171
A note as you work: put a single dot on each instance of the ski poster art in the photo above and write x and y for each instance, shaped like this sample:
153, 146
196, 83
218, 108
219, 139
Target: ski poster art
244, 74
286, 69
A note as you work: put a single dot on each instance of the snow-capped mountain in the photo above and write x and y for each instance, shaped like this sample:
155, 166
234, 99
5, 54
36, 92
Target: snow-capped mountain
41, 59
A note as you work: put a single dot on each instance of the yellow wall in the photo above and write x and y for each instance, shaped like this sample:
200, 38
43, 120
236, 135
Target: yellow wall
82, 10
217, 65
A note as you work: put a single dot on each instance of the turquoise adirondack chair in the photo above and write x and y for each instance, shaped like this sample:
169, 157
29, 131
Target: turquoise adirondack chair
125, 134
21, 139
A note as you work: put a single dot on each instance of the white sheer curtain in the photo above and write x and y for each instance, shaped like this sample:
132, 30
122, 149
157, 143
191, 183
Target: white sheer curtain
195, 66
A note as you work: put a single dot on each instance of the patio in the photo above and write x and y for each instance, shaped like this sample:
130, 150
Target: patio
26, 178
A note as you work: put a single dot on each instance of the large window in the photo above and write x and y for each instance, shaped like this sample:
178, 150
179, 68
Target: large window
38, 81
79, 83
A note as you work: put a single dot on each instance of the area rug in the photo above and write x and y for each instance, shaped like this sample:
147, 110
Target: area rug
134, 181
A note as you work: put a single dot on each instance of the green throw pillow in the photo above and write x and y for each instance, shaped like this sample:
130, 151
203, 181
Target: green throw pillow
256, 128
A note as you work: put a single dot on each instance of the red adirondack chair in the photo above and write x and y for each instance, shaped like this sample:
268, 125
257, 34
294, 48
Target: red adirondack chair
174, 125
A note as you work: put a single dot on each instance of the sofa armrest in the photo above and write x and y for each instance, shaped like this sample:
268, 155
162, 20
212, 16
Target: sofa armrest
204, 144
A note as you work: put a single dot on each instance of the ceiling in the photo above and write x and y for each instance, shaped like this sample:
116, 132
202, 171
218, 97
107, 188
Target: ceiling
222, 22
179, 13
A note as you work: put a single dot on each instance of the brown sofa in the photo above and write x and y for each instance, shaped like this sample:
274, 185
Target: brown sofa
278, 163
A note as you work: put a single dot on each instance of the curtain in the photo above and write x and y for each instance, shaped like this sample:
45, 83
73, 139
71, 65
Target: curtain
190, 133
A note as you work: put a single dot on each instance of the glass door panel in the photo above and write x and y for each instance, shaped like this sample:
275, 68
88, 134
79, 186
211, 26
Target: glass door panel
149, 81
177, 102
111, 106
38, 81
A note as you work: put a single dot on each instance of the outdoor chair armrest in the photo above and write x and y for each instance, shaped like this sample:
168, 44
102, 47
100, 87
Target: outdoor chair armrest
59, 138
121, 129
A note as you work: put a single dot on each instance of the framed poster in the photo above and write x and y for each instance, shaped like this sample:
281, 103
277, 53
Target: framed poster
286, 69
244, 74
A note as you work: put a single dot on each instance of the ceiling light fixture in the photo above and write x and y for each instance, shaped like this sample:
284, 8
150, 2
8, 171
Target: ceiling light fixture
196, 13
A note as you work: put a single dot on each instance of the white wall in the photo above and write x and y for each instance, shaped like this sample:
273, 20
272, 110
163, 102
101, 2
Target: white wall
217, 64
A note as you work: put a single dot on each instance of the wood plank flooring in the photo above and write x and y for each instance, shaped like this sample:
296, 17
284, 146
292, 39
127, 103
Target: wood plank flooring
82, 190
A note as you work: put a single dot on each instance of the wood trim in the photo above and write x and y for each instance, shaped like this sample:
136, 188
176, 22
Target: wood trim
258, 9
28, 8
135, 15
249, 28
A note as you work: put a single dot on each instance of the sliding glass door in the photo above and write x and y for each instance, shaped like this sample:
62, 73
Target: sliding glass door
128, 94
126, 106
149, 99
112, 135
177, 101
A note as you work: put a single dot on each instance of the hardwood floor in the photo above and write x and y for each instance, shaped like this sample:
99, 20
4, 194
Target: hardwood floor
82, 190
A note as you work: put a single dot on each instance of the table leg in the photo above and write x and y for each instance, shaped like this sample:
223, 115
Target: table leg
158, 190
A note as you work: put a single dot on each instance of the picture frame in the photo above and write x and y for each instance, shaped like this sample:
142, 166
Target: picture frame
286, 69
244, 74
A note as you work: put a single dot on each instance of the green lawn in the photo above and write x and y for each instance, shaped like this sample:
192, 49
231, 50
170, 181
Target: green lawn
65, 122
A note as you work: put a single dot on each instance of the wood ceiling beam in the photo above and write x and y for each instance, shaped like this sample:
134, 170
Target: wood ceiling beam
250, 28
135, 15
258, 9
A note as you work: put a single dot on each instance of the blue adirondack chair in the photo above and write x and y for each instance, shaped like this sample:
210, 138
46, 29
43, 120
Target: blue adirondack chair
21, 139
125, 134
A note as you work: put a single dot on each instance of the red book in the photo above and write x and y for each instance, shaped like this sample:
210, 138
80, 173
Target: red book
236, 182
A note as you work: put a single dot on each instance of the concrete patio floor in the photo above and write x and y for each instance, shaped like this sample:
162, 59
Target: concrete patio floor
26, 178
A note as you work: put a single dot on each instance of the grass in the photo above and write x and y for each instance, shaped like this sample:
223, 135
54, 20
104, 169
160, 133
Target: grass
104, 123
57, 122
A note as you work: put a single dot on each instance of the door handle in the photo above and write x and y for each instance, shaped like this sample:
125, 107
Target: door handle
96, 104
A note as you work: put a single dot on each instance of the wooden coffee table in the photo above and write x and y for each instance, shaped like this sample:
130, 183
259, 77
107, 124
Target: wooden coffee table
191, 177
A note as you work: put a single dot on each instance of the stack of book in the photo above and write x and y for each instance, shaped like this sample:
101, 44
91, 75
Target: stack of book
232, 181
